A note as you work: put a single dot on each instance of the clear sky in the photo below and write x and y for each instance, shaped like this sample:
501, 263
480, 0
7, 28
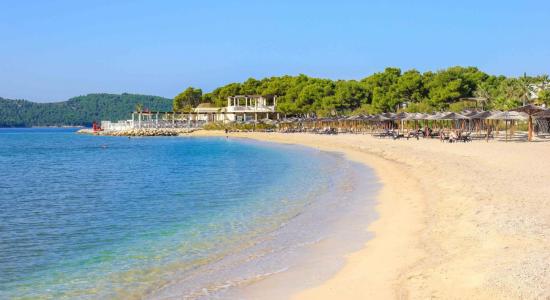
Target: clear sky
53, 50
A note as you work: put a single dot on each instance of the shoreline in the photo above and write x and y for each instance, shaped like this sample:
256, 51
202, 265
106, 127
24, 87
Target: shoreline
291, 252
387, 245
448, 226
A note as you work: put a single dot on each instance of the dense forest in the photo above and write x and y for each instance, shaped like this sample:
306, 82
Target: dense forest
391, 90
80, 111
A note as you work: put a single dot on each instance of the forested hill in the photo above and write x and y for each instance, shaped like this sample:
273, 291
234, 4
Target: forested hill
81, 110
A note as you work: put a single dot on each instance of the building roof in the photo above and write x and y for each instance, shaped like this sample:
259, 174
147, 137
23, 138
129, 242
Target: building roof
206, 105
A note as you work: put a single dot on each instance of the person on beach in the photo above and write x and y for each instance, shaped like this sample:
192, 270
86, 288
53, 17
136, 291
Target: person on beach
453, 137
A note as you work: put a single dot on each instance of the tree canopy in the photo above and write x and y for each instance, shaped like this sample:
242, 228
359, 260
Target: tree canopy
388, 91
189, 98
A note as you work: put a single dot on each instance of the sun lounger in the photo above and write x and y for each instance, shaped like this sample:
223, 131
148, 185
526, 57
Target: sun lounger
465, 137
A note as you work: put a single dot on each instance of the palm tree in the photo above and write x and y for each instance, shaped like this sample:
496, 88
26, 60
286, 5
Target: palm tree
544, 79
524, 89
139, 109
482, 92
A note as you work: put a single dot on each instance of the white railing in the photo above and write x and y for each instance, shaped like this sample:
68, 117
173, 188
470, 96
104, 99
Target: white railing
259, 108
116, 126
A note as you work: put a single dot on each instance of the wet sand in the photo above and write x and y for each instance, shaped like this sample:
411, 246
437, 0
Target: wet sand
455, 220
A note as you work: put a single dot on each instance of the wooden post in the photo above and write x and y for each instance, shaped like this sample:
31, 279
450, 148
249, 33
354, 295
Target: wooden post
530, 128
506, 130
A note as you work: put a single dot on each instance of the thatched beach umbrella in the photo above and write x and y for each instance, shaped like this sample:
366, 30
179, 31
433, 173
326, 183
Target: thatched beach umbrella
480, 119
453, 116
379, 118
543, 120
388, 115
469, 113
545, 114
435, 116
508, 116
530, 110
418, 116
401, 117
484, 115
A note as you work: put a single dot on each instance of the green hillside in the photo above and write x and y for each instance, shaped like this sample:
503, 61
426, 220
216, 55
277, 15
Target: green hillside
80, 111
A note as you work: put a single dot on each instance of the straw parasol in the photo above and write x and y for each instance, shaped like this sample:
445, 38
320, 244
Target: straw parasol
435, 116
388, 115
469, 113
418, 116
543, 114
452, 116
508, 116
401, 116
484, 115
380, 118
354, 118
530, 110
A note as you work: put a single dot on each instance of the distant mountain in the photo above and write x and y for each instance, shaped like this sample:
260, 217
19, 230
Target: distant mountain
77, 111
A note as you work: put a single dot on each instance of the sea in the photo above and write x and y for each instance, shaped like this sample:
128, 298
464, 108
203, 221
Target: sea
97, 217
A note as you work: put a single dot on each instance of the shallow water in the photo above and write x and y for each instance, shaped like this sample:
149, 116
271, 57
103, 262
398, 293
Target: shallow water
109, 217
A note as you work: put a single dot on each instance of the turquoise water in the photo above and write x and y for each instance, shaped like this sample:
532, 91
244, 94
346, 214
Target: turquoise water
109, 217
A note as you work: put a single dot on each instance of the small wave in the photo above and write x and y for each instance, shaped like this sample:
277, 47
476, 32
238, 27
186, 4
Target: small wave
220, 287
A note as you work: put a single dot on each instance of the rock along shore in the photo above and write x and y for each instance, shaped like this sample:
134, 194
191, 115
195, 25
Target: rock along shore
140, 132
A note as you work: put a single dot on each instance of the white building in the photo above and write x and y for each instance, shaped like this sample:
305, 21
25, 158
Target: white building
239, 108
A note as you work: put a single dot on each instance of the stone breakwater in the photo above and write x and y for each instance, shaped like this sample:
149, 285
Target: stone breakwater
141, 132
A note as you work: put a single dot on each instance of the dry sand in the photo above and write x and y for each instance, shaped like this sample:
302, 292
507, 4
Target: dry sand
456, 220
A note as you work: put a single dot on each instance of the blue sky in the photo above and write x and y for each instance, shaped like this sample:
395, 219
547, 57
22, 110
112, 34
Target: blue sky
53, 50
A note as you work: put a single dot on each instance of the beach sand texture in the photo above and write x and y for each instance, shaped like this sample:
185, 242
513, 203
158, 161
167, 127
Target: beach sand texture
464, 220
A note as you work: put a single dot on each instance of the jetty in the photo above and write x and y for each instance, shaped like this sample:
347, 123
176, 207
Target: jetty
140, 131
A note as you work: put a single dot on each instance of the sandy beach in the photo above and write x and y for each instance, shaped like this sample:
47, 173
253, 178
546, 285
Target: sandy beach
465, 220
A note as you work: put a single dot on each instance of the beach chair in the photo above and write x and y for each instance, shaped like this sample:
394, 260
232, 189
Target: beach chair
395, 135
465, 137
